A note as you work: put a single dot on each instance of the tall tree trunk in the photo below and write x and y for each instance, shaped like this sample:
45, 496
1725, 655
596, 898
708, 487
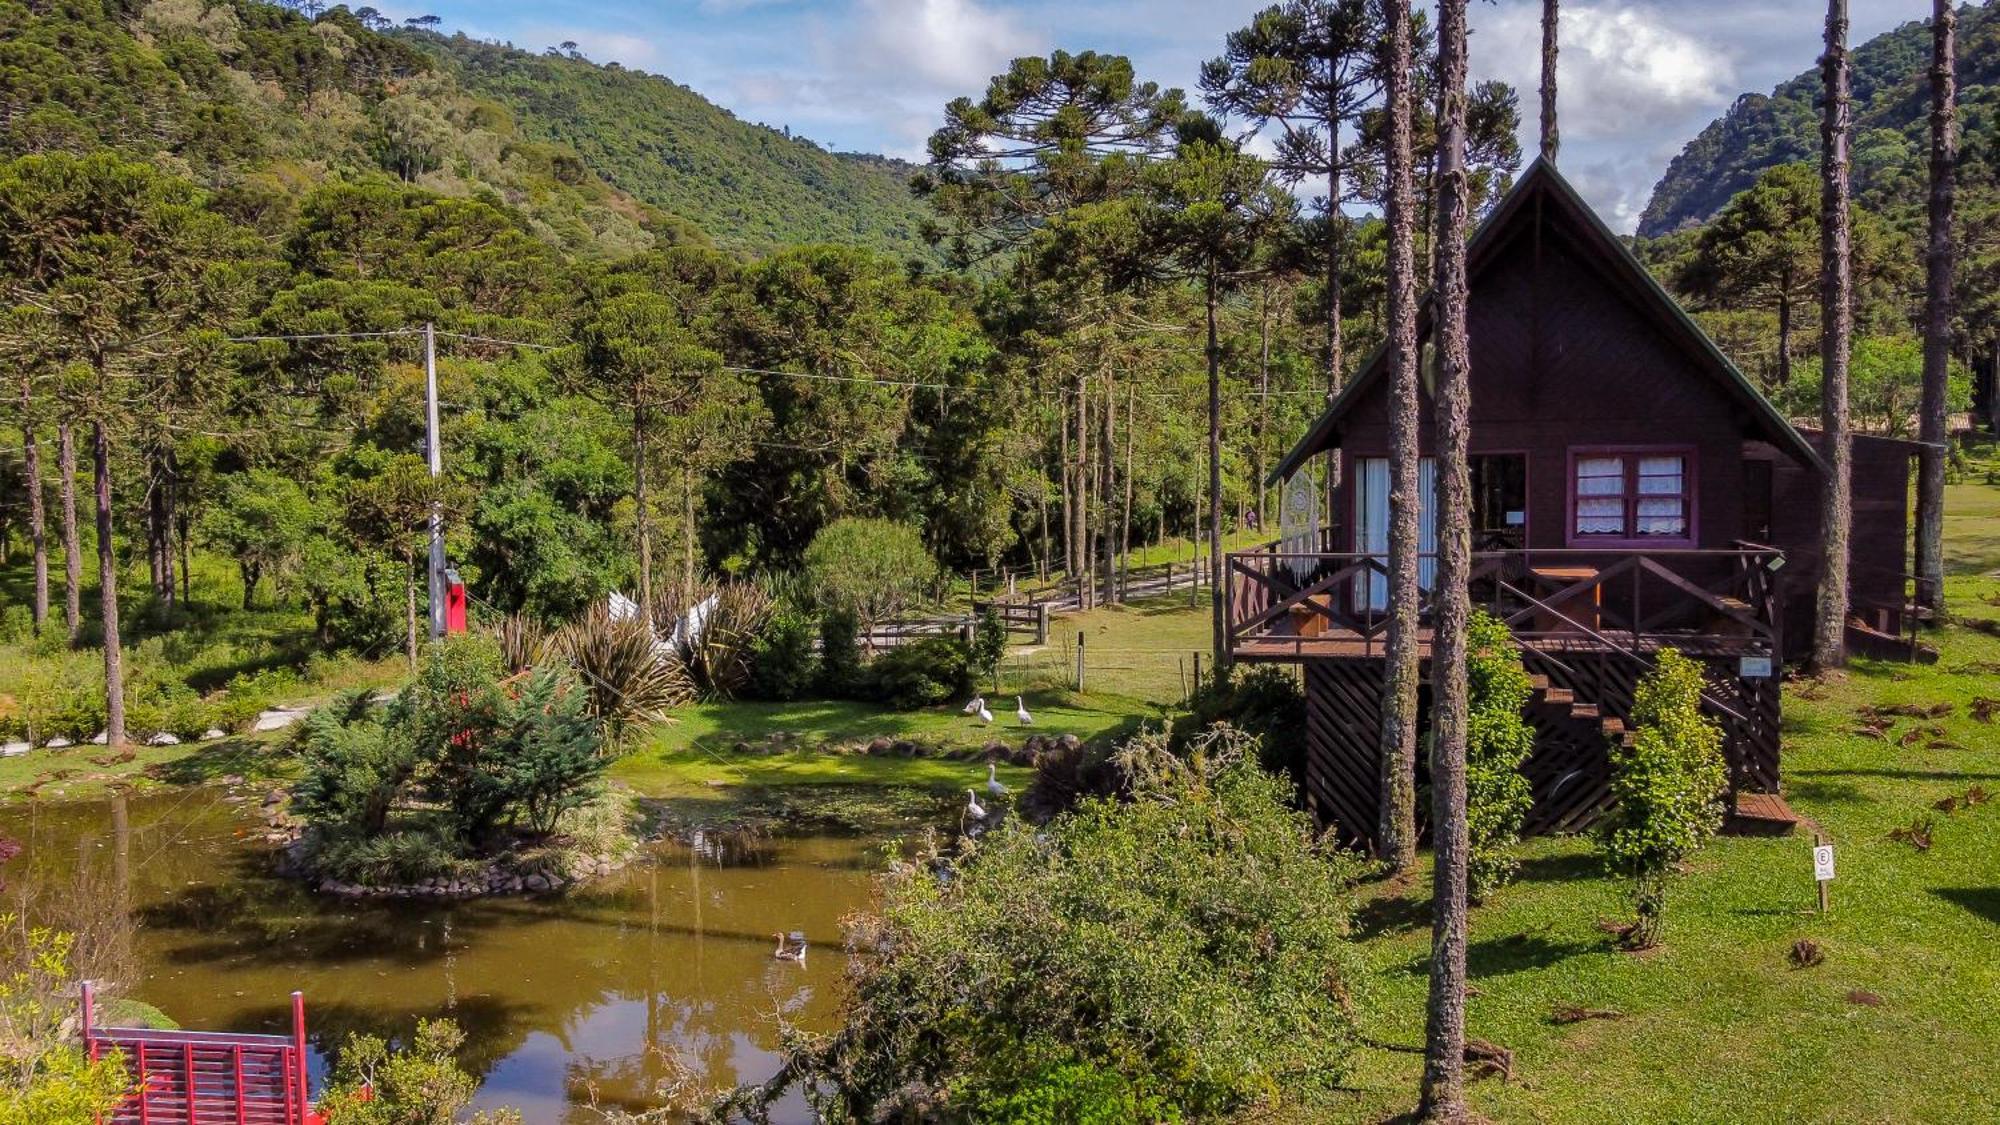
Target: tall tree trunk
1784, 331
1336, 357
38, 516
1940, 262
107, 584
1396, 835
159, 556
1079, 567
410, 610
1551, 138
1837, 320
1107, 467
1125, 522
1068, 516
1221, 628
72, 535
1263, 401
643, 518
1444, 1043
1042, 559
687, 539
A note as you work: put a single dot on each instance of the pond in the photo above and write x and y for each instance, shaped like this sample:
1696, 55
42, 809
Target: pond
562, 999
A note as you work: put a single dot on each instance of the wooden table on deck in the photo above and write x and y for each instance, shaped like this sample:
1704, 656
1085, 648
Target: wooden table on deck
1584, 610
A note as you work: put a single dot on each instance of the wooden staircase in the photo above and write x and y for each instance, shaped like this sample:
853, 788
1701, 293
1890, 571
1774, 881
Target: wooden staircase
1570, 770
1564, 701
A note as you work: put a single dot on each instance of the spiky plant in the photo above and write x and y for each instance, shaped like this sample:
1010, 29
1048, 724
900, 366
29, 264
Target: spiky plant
719, 657
629, 676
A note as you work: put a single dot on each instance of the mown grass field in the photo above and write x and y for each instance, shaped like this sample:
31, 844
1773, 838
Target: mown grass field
1899, 1024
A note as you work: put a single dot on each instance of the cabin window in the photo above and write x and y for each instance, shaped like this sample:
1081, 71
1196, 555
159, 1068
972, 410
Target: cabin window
1631, 497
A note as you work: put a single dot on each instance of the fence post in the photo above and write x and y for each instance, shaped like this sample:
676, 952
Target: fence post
1041, 623
1079, 662
1197, 673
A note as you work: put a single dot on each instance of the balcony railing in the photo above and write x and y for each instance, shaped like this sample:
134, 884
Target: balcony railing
1284, 604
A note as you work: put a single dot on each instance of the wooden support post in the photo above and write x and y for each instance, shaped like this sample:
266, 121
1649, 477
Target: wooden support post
1079, 662
1819, 841
1041, 623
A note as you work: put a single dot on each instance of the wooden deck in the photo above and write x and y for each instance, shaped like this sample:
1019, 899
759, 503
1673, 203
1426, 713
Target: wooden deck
1349, 645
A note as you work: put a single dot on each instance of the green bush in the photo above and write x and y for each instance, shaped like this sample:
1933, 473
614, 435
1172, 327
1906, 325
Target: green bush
839, 652
921, 673
783, 666
1186, 947
1266, 702
465, 756
1668, 788
1070, 1093
388, 859
1498, 740
374, 1083
989, 642
45, 1078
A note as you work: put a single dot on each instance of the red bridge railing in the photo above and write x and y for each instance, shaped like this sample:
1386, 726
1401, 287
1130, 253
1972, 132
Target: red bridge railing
207, 1077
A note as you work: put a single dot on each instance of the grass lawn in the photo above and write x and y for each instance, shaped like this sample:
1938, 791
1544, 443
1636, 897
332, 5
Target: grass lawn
1897, 1024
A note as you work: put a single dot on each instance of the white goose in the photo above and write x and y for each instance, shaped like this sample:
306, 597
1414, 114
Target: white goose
985, 716
973, 809
1021, 713
791, 947
995, 787
977, 705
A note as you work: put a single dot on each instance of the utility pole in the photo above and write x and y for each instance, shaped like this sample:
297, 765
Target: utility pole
436, 457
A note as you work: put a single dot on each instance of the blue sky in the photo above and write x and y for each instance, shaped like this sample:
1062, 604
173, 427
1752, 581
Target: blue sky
1639, 77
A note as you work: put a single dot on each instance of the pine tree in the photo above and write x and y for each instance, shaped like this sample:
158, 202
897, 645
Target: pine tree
1443, 1097
1396, 839
1837, 317
1940, 264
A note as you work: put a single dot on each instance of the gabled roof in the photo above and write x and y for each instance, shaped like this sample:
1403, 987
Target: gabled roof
1542, 182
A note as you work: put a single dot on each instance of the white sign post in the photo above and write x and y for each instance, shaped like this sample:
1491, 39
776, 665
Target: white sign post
1822, 868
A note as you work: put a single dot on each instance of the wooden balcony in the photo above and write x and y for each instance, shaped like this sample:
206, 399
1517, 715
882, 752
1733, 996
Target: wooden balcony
1290, 606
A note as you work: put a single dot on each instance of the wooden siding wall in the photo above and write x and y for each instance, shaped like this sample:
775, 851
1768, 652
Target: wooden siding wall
1881, 538
1561, 359
1570, 771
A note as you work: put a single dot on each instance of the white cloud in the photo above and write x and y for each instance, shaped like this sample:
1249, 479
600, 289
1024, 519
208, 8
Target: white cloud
1619, 67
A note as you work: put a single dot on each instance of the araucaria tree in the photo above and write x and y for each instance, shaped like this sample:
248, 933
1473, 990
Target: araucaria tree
1396, 836
1940, 260
1307, 67
1498, 740
1666, 789
1551, 136
1829, 648
118, 270
636, 352
1443, 1095
1211, 208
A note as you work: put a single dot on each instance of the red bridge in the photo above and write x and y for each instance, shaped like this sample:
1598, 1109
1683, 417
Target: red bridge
207, 1077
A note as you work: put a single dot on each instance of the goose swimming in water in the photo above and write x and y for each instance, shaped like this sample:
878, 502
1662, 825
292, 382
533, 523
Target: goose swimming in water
791, 947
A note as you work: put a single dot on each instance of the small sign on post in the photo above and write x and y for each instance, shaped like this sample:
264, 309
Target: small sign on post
1754, 668
1822, 867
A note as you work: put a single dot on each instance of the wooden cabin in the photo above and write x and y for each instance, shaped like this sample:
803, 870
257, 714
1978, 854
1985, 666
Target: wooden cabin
1631, 491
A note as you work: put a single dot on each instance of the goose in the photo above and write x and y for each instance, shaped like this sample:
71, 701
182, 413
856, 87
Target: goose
994, 786
1021, 713
977, 705
973, 809
985, 716
791, 947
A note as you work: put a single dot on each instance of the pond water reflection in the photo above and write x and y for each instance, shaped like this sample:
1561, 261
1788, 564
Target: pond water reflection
558, 997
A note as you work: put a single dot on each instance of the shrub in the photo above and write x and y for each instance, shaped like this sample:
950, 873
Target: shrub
1498, 740
839, 652
390, 858
373, 1083
45, 1079
1185, 948
628, 676
783, 666
874, 567
1070, 1092
719, 656
922, 673
1266, 702
1667, 787
479, 753
989, 643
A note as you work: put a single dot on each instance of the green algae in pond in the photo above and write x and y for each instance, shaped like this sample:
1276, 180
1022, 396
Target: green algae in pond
558, 996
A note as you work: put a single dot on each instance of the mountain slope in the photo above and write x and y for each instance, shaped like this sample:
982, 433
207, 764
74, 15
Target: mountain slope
746, 185
262, 103
1891, 107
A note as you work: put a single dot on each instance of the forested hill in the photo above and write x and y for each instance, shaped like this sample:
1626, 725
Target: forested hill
262, 103
1891, 107
743, 183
